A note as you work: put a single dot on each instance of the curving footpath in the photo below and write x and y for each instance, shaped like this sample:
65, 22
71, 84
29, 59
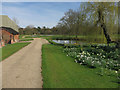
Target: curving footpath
23, 69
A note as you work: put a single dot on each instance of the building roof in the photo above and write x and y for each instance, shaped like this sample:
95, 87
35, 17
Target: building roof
5, 21
10, 30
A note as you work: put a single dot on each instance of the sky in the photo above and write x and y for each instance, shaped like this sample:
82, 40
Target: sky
37, 13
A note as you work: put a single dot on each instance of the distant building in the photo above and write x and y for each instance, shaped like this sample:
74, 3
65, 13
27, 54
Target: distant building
8, 31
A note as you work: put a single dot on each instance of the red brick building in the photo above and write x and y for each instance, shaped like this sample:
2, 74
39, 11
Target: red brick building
8, 31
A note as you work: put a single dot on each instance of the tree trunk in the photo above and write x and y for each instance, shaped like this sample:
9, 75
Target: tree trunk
108, 37
106, 33
77, 29
103, 26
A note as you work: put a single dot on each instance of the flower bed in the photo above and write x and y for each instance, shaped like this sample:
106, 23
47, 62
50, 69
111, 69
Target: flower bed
94, 56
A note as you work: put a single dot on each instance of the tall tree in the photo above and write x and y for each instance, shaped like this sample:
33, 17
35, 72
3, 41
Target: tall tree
68, 20
99, 12
80, 17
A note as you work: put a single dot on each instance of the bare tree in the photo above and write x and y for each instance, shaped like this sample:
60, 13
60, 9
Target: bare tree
15, 20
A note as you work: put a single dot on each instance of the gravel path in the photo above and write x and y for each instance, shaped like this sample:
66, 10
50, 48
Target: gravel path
23, 69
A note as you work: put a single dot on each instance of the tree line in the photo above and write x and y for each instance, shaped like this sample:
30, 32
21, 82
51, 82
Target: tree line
31, 30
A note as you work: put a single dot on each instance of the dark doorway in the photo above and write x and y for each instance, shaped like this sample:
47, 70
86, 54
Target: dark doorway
9, 42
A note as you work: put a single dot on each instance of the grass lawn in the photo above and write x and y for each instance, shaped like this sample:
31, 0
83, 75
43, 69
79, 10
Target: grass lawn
60, 71
20, 36
9, 49
30, 39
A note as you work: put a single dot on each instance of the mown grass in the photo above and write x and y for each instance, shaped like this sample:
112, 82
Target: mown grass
32, 36
30, 39
9, 49
59, 71
20, 36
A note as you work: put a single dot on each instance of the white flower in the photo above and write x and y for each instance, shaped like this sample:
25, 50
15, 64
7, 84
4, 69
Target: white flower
116, 71
88, 58
78, 55
80, 63
81, 55
107, 62
103, 55
92, 62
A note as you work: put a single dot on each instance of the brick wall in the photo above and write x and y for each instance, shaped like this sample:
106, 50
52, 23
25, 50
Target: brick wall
8, 38
16, 37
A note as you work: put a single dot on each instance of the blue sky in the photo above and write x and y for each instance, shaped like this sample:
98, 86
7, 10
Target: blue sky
37, 13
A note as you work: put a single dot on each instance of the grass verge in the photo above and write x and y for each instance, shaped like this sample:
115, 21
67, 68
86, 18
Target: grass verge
30, 39
59, 71
9, 49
